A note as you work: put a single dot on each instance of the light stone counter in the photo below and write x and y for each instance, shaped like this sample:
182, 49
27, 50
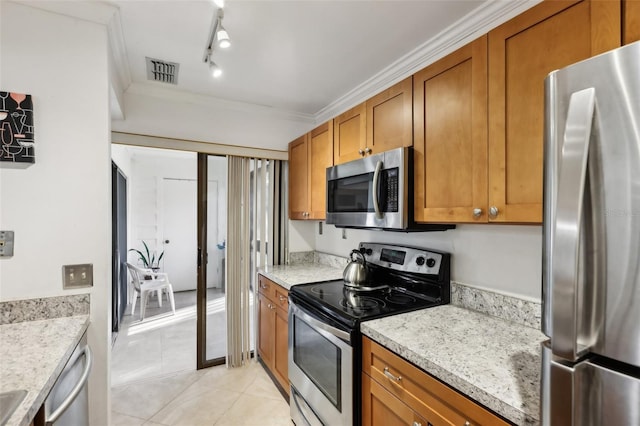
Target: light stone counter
492, 361
32, 356
301, 273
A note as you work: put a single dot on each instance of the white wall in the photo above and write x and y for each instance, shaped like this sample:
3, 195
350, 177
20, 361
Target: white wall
502, 258
207, 121
60, 207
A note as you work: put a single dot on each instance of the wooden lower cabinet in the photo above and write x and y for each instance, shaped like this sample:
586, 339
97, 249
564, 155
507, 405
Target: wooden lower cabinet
273, 329
395, 391
380, 407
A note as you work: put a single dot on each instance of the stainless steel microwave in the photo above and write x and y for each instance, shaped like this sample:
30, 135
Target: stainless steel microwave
375, 192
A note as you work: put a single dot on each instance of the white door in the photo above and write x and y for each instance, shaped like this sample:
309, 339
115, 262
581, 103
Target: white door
179, 219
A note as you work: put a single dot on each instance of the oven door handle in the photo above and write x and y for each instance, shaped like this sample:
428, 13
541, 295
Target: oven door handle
340, 334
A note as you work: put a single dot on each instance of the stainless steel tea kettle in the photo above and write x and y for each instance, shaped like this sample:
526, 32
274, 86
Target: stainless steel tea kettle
355, 274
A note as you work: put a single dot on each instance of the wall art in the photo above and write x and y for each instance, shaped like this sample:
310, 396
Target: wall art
16, 130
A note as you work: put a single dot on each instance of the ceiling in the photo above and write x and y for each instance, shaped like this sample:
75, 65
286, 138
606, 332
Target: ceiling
298, 56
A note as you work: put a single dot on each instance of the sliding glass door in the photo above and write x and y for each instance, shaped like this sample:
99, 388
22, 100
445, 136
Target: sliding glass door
212, 242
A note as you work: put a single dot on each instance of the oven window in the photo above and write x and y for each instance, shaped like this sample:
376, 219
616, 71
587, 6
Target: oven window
319, 359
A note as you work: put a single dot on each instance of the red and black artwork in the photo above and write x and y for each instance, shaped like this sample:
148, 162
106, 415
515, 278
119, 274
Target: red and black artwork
16, 129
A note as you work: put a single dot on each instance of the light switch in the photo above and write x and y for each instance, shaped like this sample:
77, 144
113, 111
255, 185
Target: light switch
6, 243
77, 276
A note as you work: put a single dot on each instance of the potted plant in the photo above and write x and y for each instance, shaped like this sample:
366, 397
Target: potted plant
149, 260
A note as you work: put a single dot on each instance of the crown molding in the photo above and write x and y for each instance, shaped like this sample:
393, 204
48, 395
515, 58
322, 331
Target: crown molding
478, 22
173, 95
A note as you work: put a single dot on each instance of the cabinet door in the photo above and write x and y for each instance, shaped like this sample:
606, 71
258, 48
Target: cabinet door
389, 118
298, 178
450, 137
349, 130
381, 408
280, 364
522, 52
631, 20
266, 330
320, 157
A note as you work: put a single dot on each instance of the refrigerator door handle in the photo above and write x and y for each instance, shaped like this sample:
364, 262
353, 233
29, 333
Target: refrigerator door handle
568, 223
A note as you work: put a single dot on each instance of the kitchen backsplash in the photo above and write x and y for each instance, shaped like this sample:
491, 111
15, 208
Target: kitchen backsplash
317, 257
43, 308
498, 305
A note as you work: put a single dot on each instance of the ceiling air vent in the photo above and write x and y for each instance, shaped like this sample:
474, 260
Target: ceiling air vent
162, 71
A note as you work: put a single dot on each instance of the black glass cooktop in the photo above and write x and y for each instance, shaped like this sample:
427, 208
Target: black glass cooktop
353, 306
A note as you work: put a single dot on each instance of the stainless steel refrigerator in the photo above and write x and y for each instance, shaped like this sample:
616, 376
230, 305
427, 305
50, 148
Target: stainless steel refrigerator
591, 254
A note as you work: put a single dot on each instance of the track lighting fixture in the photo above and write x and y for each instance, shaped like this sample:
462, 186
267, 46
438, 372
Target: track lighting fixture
218, 36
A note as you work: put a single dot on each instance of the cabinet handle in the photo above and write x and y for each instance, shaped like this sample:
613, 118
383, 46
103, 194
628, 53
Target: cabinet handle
477, 212
417, 424
493, 211
361, 152
264, 287
367, 151
282, 298
467, 424
391, 376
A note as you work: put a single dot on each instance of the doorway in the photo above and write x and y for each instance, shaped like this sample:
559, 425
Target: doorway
163, 200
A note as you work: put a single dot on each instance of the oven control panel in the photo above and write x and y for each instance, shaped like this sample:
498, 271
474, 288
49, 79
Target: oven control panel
399, 258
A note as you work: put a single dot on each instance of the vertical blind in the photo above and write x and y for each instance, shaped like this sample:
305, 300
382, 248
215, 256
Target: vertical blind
256, 236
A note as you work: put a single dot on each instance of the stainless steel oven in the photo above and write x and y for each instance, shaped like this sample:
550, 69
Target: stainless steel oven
325, 344
320, 369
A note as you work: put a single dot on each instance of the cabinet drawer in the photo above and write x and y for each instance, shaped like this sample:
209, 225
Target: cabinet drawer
281, 298
267, 287
420, 391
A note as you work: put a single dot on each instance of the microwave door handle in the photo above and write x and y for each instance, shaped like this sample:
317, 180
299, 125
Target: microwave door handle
376, 184
568, 223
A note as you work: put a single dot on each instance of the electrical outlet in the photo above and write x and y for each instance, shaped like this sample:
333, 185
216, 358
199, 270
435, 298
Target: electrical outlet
6, 243
344, 234
77, 276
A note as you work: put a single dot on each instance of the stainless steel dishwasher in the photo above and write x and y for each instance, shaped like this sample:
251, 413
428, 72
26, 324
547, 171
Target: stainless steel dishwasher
68, 403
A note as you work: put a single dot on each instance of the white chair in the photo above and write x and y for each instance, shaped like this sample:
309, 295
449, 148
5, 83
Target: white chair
158, 282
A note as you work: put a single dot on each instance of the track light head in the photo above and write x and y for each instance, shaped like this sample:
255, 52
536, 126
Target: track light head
216, 71
222, 36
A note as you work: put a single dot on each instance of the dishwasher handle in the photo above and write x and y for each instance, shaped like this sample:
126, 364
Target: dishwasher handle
76, 389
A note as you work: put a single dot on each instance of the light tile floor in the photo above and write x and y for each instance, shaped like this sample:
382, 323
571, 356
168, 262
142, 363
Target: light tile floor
154, 380
219, 396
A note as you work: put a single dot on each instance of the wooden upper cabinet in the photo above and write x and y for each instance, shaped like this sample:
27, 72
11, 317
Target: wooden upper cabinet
320, 157
298, 178
350, 135
389, 118
309, 157
450, 137
631, 21
522, 52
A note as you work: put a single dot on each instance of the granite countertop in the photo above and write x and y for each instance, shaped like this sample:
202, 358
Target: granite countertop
493, 361
301, 273
32, 356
